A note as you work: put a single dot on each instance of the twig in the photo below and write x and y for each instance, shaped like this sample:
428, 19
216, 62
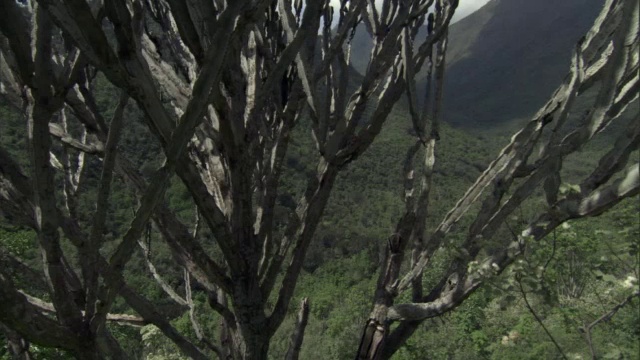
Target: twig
192, 315
165, 286
605, 317
526, 301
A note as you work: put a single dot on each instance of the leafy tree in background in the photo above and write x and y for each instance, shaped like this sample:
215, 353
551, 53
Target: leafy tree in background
221, 85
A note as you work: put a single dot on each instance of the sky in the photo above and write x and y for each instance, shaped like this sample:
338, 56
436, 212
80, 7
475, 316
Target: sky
465, 7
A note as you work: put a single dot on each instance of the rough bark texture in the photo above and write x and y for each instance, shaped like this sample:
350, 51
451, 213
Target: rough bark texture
298, 335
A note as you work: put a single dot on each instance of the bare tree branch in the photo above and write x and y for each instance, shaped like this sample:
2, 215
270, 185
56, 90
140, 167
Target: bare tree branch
102, 204
122, 319
526, 302
29, 322
298, 335
605, 317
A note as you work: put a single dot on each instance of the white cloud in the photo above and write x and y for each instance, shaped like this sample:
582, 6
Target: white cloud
465, 7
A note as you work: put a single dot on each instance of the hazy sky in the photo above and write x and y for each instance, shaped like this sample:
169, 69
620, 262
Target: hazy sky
465, 8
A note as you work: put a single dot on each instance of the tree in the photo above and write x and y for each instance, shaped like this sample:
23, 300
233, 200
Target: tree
605, 57
221, 86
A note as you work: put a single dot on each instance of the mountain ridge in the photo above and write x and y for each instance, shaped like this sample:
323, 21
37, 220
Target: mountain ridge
504, 60
516, 60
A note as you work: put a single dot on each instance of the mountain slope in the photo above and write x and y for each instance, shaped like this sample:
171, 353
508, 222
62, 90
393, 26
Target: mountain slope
464, 33
515, 60
505, 59
461, 36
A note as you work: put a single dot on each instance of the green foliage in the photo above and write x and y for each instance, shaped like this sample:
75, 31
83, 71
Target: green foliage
129, 338
156, 347
19, 242
571, 277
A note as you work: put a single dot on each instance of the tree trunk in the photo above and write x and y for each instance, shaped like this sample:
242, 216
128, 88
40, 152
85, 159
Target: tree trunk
252, 338
18, 347
252, 333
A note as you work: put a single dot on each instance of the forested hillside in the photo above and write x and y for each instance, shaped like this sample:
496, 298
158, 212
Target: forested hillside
589, 265
587, 272
571, 294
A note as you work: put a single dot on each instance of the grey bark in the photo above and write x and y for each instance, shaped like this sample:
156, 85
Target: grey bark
293, 353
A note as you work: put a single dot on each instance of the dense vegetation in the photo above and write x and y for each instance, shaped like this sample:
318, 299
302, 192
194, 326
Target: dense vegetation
569, 280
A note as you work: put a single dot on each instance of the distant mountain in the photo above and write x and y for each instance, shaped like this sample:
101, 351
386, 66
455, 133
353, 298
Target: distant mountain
464, 33
505, 59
